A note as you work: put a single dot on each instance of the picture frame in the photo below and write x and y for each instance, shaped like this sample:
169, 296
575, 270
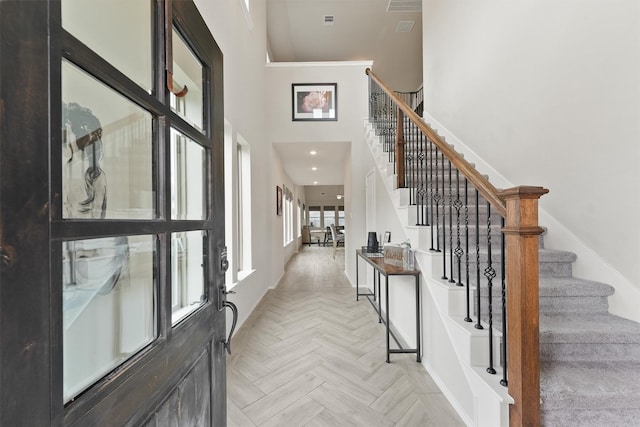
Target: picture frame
314, 101
278, 200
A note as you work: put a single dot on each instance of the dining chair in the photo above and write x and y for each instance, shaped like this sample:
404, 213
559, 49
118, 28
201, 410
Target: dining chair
337, 238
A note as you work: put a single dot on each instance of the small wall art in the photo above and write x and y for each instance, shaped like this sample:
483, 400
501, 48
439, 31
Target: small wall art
278, 200
314, 101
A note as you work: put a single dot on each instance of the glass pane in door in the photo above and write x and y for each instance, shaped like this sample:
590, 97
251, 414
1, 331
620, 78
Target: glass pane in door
187, 71
187, 274
107, 162
117, 30
188, 198
108, 311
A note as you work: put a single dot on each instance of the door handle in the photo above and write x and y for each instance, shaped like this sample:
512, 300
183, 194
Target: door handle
234, 309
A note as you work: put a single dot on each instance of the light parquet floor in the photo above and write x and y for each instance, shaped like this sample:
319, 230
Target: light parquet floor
311, 355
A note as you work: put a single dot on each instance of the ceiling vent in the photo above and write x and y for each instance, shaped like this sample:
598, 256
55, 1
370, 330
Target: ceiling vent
404, 6
405, 26
328, 19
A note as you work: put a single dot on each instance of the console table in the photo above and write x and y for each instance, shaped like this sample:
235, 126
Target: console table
386, 270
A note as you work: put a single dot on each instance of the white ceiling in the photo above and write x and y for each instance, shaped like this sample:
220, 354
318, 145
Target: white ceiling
329, 162
362, 30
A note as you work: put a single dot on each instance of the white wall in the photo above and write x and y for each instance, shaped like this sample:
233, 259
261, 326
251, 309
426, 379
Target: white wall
280, 253
553, 87
352, 109
243, 44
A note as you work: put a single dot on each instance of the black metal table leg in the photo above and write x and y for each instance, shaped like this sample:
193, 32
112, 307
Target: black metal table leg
418, 355
357, 288
386, 303
379, 300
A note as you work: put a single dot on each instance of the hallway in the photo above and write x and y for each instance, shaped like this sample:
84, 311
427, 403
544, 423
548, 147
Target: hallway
311, 355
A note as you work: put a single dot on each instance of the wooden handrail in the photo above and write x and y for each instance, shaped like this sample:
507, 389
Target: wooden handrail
486, 189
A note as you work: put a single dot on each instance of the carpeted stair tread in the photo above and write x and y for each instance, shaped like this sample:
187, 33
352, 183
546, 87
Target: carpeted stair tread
554, 255
591, 418
551, 286
588, 328
588, 385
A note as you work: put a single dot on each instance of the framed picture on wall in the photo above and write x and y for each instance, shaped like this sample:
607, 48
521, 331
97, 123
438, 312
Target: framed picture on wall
278, 200
314, 101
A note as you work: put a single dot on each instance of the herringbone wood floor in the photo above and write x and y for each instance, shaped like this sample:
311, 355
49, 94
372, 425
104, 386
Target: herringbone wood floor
310, 355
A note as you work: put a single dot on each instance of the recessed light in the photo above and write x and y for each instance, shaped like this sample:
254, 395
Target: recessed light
314, 168
313, 152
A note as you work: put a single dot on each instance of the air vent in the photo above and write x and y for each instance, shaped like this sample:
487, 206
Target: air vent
404, 6
405, 26
328, 19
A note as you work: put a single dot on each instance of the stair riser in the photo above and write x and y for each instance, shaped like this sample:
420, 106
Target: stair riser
584, 304
573, 352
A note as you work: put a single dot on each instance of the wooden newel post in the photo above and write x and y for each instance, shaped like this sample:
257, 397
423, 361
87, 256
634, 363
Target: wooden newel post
523, 335
400, 148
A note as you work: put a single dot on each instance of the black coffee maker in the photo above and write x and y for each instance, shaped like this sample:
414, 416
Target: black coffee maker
372, 242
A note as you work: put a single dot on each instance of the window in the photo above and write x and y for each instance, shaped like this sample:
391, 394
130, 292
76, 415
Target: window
238, 205
243, 206
246, 8
299, 223
341, 216
314, 216
287, 223
329, 215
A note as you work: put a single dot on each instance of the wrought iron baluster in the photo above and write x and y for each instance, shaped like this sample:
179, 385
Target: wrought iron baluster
490, 274
466, 249
444, 222
451, 279
406, 160
431, 195
478, 324
419, 171
436, 197
422, 175
458, 250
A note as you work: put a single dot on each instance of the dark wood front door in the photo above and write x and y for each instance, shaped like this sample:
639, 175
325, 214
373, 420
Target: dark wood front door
112, 249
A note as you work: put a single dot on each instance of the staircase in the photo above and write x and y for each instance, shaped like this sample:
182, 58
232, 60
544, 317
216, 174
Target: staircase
589, 358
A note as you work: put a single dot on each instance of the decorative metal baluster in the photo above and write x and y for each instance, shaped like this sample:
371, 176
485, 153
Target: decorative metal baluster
504, 381
490, 274
392, 133
424, 177
408, 158
458, 204
436, 197
420, 188
451, 279
444, 224
466, 248
431, 195
411, 147
478, 325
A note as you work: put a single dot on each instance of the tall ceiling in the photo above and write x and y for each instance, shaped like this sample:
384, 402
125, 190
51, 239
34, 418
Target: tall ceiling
361, 30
